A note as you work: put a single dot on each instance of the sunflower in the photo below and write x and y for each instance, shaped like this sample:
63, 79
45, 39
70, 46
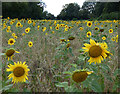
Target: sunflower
89, 23
30, 43
13, 34
23, 34
71, 38
53, 32
88, 34
111, 31
103, 38
18, 24
95, 51
113, 38
29, 21
10, 53
81, 28
101, 30
104, 45
19, 72
27, 30
68, 45
11, 41
15, 37
57, 28
116, 38
96, 28
80, 75
62, 40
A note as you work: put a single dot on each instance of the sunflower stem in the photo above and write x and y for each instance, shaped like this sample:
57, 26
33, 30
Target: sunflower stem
85, 63
82, 87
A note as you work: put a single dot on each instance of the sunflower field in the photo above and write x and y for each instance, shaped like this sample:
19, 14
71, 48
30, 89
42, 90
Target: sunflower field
59, 56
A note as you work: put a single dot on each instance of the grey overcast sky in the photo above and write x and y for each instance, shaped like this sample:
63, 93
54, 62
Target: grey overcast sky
55, 6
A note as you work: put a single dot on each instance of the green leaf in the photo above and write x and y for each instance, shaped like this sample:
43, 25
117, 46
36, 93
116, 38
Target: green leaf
95, 86
70, 50
7, 87
117, 72
62, 84
74, 65
67, 72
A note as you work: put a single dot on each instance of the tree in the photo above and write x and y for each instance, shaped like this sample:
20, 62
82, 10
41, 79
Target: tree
69, 11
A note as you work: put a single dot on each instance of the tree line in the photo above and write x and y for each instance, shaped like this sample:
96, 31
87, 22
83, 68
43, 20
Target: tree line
71, 11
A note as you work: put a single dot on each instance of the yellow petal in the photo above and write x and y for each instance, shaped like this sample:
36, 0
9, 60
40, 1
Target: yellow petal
89, 72
92, 42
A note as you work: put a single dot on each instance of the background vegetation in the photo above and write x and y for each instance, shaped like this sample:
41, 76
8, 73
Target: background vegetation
71, 11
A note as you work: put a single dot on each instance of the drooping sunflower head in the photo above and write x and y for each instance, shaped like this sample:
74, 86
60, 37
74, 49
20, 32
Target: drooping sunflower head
10, 52
19, 72
71, 38
80, 75
11, 41
95, 51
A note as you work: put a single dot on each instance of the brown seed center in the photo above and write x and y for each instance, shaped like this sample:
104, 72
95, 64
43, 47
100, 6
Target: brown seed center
79, 76
95, 51
19, 71
11, 41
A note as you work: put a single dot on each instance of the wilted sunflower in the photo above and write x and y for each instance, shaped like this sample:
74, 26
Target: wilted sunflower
111, 31
30, 44
89, 23
71, 38
10, 53
19, 72
11, 41
101, 30
95, 51
80, 75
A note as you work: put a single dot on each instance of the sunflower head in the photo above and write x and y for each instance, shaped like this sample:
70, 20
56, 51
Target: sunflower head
80, 75
19, 72
30, 43
103, 38
89, 23
11, 41
10, 52
96, 51
71, 38
111, 31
